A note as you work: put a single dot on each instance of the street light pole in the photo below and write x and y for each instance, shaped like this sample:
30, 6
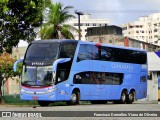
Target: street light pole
79, 29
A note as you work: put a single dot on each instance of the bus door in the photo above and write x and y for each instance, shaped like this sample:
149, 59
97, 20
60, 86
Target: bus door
60, 81
61, 68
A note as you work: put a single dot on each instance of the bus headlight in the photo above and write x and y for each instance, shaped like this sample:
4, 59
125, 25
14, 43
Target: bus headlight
48, 91
51, 90
22, 90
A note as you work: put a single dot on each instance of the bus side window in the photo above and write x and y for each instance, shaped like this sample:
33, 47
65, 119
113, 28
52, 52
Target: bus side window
107, 54
67, 50
77, 79
84, 53
61, 76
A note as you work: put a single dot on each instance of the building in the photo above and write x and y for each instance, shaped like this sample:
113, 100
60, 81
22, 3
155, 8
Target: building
113, 35
85, 22
154, 73
146, 29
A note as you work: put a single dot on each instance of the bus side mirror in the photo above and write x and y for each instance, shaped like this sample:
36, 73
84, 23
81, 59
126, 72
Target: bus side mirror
15, 64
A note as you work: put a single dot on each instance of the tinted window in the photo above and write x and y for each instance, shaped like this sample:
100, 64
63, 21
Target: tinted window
68, 50
42, 51
88, 52
107, 54
123, 55
91, 52
140, 57
98, 78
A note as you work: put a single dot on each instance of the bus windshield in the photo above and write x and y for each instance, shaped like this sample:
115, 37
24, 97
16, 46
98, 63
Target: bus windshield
43, 51
37, 76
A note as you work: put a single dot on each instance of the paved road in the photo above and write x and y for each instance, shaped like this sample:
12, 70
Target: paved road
99, 110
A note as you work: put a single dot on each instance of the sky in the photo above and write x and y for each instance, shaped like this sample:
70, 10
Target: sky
116, 11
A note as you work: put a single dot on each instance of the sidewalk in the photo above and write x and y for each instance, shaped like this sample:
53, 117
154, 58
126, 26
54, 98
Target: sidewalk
146, 102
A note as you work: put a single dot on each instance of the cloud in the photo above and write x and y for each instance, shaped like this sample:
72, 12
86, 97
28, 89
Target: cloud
117, 11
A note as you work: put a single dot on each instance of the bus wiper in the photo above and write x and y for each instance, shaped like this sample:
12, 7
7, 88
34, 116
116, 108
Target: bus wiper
26, 82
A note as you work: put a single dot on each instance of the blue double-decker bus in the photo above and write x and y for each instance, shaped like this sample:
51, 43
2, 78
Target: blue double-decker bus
73, 71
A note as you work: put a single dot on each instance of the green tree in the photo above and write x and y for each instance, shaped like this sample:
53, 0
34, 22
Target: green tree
56, 28
6, 69
18, 20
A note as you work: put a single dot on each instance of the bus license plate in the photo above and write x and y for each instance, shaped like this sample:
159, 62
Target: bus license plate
35, 97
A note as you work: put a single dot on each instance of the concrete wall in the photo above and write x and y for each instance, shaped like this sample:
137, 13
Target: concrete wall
152, 93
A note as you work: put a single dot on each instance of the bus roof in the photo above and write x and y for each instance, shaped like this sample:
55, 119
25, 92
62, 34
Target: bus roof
55, 40
109, 45
85, 42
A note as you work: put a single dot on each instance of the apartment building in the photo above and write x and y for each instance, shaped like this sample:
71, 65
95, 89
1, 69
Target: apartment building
86, 22
146, 29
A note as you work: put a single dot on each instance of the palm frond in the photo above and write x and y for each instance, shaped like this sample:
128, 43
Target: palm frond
48, 32
66, 33
71, 28
57, 16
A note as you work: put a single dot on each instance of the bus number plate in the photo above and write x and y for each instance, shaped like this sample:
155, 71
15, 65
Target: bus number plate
35, 97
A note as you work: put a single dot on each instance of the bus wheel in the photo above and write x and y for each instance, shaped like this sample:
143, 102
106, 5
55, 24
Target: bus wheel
43, 103
131, 97
123, 97
74, 99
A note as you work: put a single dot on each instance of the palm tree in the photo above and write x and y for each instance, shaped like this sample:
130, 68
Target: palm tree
56, 28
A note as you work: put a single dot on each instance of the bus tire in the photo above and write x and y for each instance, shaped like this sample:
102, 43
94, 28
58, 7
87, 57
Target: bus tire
123, 98
43, 103
130, 97
74, 98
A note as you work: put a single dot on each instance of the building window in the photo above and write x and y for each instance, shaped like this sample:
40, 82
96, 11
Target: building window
156, 36
155, 30
94, 24
87, 24
156, 42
